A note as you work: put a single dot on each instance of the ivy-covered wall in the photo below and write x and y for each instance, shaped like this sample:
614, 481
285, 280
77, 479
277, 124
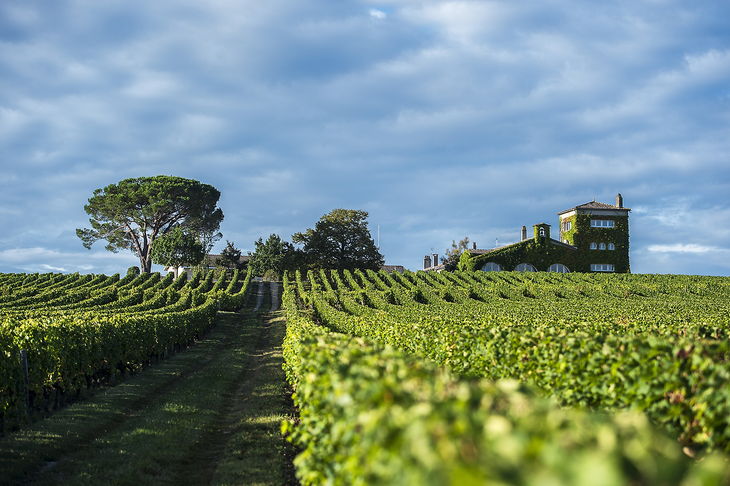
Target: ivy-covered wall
570, 234
618, 235
541, 253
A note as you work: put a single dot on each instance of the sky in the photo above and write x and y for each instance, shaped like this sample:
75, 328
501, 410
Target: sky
441, 119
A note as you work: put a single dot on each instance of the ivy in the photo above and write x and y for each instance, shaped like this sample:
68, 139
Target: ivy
540, 252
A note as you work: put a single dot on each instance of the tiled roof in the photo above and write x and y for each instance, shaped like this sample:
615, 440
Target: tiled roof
596, 205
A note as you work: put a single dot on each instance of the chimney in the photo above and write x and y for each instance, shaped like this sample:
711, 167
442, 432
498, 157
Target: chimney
524, 233
426, 262
474, 246
435, 259
619, 201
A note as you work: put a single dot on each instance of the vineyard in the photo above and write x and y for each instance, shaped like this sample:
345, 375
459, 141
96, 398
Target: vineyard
511, 378
61, 333
425, 378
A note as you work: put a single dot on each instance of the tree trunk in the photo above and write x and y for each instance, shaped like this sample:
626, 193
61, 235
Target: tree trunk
146, 263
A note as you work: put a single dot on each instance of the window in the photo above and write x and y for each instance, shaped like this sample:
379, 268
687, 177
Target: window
593, 246
491, 267
601, 267
525, 267
602, 246
567, 225
559, 268
602, 223
611, 246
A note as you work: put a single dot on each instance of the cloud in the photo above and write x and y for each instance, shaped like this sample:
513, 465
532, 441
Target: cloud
43, 260
441, 118
680, 248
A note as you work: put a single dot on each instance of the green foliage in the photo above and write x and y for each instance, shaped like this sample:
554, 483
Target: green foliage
231, 300
176, 249
65, 350
230, 257
133, 271
452, 255
370, 414
131, 215
466, 263
340, 240
76, 328
541, 252
600, 341
270, 257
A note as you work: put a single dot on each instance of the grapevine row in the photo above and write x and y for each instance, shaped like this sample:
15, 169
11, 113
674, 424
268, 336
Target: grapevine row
76, 329
371, 414
677, 374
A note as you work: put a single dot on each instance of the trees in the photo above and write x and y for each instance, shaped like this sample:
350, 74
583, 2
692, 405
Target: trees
271, 256
132, 214
341, 240
176, 249
452, 255
230, 257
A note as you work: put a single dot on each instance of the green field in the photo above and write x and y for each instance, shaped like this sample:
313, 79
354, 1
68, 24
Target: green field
534, 378
419, 378
208, 415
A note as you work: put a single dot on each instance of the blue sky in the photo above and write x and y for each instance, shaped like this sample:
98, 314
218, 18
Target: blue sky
441, 119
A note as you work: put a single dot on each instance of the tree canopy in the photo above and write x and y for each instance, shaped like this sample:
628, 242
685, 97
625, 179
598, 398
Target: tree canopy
132, 214
271, 256
452, 255
341, 240
176, 249
230, 257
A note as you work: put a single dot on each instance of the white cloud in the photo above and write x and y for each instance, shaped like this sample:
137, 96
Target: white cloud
680, 248
377, 14
153, 85
39, 259
463, 117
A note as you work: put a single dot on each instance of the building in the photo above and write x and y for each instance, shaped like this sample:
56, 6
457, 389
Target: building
208, 263
592, 237
431, 263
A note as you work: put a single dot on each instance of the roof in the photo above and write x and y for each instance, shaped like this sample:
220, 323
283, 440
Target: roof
438, 268
212, 258
393, 268
490, 250
596, 205
480, 251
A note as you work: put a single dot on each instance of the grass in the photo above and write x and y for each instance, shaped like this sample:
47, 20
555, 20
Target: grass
210, 415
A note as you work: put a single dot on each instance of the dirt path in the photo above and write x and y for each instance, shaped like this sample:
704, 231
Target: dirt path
260, 294
206, 453
130, 435
275, 300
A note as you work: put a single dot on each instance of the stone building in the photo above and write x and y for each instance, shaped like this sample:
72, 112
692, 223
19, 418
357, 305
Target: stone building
592, 237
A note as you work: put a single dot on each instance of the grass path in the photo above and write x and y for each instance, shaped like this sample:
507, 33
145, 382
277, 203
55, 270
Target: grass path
210, 415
